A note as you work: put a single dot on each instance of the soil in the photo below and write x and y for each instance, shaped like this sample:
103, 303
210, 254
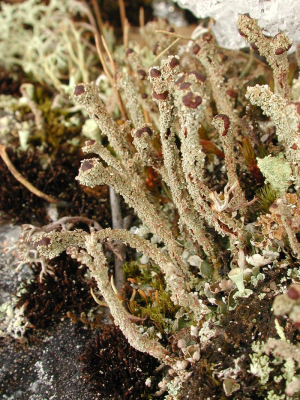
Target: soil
47, 367
19, 205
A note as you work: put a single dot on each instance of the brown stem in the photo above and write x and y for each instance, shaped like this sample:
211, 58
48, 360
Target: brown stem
112, 63
166, 49
126, 33
100, 54
142, 17
122, 13
98, 15
108, 74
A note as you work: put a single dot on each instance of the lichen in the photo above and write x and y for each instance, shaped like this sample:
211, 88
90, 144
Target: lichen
277, 173
209, 259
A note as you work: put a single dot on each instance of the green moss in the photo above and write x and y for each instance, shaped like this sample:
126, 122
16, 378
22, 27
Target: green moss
131, 270
266, 196
159, 312
59, 127
151, 301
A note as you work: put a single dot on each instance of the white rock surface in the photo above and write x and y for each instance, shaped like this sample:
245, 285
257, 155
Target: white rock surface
273, 16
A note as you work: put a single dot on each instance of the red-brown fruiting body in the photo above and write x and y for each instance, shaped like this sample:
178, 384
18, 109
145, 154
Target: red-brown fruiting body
141, 73
231, 93
144, 96
174, 63
198, 76
196, 48
160, 96
293, 293
180, 80
129, 51
45, 241
191, 101
87, 164
155, 73
185, 85
226, 121
256, 173
279, 51
146, 129
79, 89
294, 146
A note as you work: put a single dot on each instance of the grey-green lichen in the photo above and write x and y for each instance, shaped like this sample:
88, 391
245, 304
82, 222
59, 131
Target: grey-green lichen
277, 172
46, 42
274, 49
201, 225
260, 364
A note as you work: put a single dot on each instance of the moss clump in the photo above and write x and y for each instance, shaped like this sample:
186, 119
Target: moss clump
266, 196
115, 370
49, 300
147, 296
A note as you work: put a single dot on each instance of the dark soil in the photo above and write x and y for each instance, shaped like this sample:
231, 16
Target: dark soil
58, 180
47, 367
108, 359
69, 288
